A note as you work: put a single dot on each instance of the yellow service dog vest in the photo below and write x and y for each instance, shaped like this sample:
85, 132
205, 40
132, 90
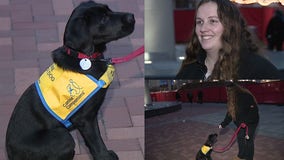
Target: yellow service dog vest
205, 149
63, 92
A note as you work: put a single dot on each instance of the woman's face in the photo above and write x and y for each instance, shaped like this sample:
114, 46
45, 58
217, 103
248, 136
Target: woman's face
208, 28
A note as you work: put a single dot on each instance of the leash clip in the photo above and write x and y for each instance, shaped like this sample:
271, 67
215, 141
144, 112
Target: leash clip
109, 61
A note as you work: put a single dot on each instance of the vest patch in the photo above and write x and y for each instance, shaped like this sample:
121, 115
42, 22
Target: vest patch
205, 149
63, 92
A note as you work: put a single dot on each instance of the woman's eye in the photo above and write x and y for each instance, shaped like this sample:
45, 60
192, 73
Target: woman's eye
199, 22
213, 21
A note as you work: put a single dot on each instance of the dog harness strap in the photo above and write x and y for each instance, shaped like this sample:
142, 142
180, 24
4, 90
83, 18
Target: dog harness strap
63, 92
108, 76
205, 149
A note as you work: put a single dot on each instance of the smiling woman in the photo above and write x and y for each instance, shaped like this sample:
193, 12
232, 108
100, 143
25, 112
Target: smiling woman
221, 46
209, 32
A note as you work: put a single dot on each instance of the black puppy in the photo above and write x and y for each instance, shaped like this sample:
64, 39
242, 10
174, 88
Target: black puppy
36, 130
205, 152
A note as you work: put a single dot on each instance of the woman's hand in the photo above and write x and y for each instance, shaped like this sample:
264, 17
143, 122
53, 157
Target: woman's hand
220, 126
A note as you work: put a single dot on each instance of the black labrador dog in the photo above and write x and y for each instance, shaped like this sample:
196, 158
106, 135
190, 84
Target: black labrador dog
205, 152
34, 132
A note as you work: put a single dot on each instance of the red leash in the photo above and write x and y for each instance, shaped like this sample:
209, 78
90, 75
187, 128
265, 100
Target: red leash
128, 57
228, 146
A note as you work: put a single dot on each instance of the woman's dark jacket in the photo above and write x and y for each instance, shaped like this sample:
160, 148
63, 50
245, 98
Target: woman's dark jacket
247, 111
251, 66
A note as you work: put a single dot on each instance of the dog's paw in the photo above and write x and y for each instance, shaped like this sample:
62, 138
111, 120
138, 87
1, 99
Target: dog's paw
110, 155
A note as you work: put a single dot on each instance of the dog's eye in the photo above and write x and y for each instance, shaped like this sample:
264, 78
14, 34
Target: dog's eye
104, 19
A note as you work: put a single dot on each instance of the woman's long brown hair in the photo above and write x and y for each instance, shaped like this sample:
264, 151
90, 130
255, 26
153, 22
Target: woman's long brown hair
235, 39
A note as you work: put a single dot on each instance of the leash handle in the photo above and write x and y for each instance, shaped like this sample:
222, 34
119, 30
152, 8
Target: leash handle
229, 145
128, 57
243, 125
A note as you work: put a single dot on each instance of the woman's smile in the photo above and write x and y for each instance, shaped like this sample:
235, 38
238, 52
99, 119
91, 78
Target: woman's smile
208, 28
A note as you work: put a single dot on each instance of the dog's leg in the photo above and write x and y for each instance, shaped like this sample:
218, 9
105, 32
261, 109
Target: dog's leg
91, 134
53, 144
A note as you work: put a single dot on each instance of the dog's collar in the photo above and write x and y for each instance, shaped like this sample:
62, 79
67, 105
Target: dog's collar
81, 55
205, 149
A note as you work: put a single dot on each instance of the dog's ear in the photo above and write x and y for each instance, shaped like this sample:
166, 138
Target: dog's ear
77, 35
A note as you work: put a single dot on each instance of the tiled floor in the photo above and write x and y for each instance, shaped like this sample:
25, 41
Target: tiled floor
31, 29
179, 135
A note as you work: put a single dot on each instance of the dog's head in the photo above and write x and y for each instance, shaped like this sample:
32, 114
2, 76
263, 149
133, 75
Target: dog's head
211, 140
92, 25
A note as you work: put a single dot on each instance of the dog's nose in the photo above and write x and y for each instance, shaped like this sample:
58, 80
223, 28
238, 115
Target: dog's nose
129, 18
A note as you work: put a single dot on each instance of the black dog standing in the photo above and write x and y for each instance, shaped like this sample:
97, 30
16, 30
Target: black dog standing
35, 134
205, 152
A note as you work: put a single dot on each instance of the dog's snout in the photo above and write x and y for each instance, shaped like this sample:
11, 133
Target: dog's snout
129, 18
